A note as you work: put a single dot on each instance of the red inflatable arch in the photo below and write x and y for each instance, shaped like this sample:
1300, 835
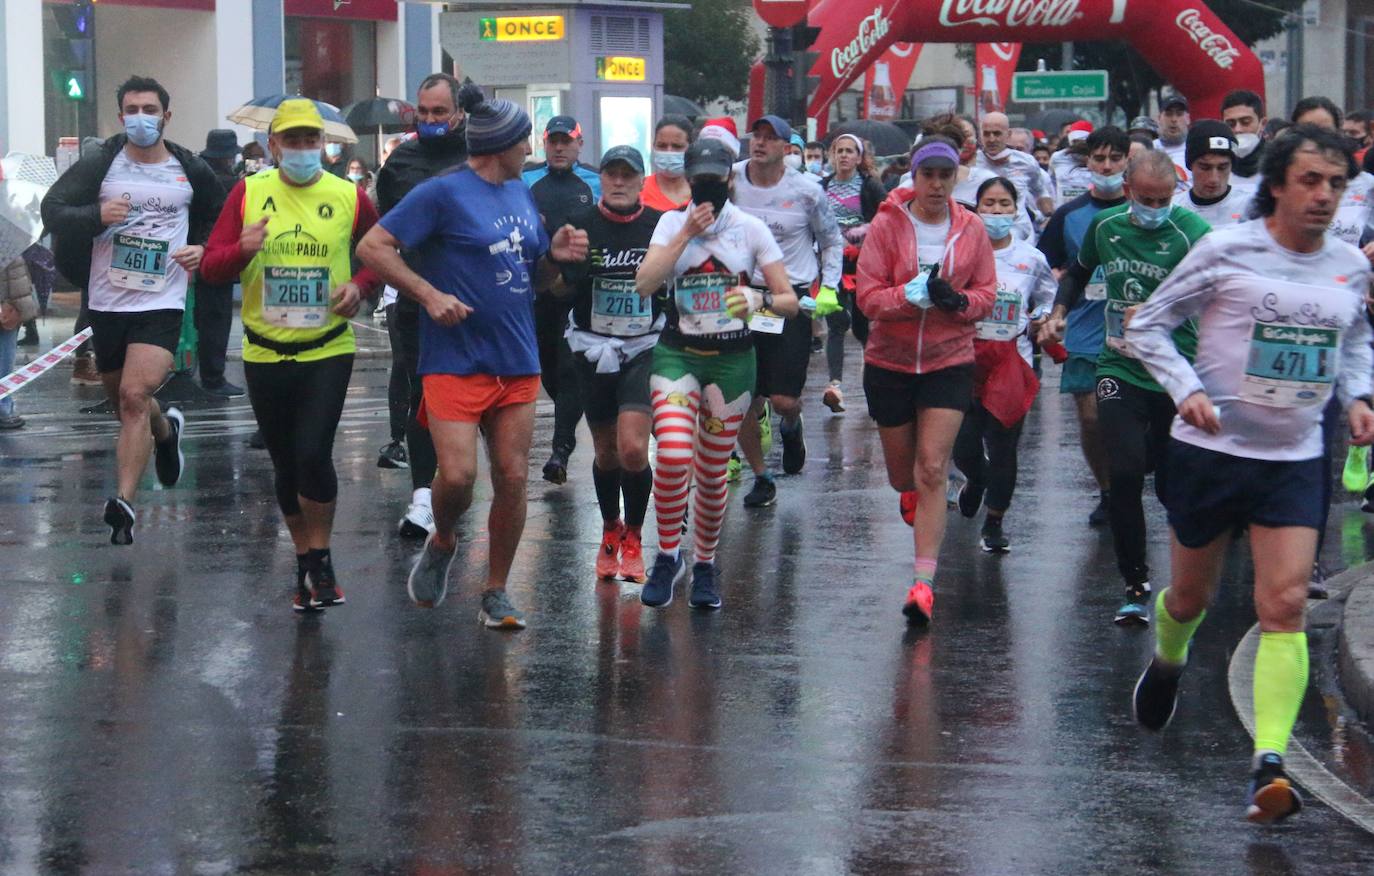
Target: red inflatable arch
1183, 40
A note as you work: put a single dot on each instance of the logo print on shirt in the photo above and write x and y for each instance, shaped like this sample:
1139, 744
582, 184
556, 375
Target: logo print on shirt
326, 211
503, 277
1114, 238
514, 242
269, 204
1164, 246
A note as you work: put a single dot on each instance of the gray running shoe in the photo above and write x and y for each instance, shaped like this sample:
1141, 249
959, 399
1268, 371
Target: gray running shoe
428, 581
498, 614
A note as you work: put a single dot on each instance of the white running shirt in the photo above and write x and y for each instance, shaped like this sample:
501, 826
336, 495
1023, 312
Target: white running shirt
1232, 209
131, 266
1353, 215
1025, 290
798, 213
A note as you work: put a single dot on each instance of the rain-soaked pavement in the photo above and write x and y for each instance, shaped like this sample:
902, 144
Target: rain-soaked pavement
163, 711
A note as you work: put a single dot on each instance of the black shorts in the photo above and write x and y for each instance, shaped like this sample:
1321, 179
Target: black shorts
604, 396
114, 332
894, 397
783, 359
1210, 493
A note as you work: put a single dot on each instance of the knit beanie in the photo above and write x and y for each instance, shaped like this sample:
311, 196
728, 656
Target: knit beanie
492, 125
1206, 136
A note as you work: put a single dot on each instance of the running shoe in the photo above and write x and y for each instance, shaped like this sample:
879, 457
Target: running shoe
1272, 797
992, 540
1316, 585
954, 484
223, 389
393, 456
325, 586
766, 428
119, 515
658, 590
793, 447
1367, 501
732, 468
498, 613
608, 555
817, 345
418, 521
167, 457
1156, 694
556, 469
763, 494
1134, 612
906, 504
920, 604
10, 423
833, 397
970, 499
704, 593
632, 556
427, 583
1099, 515
303, 601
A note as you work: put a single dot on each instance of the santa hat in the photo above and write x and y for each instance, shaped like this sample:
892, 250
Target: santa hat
723, 130
1079, 131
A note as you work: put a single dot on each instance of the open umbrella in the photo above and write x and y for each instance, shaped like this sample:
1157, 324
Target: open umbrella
24, 180
887, 138
379, 112
257, 114
681, 106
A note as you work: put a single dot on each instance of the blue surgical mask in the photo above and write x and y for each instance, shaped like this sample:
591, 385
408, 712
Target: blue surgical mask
814, 167
670, 163
430, 130
1108, 184
356, 177
300, 165
999, 225
1150, 217
333, 150
142, 130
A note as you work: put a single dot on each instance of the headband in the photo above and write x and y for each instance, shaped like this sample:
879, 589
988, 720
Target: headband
858, 144
934, 150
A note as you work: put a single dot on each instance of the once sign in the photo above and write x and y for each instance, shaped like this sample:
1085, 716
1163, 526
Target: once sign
1069, 85
621, 69
521, 28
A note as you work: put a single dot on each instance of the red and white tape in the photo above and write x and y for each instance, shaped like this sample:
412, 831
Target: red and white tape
22, 377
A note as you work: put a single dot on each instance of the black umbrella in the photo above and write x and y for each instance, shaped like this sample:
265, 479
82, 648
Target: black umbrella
681, 106
887, 138
379, 112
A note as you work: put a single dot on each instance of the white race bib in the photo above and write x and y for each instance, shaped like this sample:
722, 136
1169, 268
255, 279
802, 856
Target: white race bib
138, 264
1004, 322
618, 310
295, 297
701, 307
1290, 366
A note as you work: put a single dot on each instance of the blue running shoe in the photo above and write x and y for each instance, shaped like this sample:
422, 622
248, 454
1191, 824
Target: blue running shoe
658, 590
704, 592
1134, 613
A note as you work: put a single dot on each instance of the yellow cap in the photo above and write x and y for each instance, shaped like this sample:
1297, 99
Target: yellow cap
298, 112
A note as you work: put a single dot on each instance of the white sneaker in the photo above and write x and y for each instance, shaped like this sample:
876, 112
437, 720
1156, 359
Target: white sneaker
418, 521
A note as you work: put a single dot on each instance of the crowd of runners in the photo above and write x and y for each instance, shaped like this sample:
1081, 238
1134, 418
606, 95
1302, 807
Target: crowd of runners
1200, 283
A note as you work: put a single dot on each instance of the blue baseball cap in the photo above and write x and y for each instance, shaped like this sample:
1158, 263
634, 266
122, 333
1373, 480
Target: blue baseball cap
780, 127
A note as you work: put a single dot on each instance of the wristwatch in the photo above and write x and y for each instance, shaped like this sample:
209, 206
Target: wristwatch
768, 301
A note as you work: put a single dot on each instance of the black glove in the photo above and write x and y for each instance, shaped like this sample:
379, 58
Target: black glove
942, 295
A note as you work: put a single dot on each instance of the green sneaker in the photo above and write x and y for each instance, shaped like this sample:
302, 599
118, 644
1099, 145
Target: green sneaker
732, 469
766, 428
1355, 477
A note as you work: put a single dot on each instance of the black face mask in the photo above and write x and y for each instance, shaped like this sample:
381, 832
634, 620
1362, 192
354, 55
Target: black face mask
711, 191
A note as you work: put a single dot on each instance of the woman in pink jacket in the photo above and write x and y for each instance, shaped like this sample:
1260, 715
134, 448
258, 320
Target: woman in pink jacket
925, 276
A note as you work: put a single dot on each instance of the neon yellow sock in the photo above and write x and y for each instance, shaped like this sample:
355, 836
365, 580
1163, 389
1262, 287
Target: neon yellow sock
1172, 636
1280, 683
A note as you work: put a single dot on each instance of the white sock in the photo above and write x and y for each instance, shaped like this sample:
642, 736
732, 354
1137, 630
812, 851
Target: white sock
674, 552
421, 497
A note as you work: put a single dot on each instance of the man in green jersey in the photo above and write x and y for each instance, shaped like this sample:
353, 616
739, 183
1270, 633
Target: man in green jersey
1137, 245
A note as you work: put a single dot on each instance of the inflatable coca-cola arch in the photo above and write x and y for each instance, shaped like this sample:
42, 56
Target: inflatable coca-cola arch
1183, 40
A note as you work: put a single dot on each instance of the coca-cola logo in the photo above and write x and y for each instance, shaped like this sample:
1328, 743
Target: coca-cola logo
1009, 13
1217, 46
872, 29
1005, 51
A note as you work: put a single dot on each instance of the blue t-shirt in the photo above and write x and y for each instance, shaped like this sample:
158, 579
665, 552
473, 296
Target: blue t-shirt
479, 242
1085, 331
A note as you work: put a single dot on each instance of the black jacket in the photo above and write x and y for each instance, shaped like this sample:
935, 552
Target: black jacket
871, 195
71, 208
414, 161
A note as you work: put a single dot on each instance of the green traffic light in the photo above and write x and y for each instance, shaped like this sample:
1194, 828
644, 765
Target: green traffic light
74, 89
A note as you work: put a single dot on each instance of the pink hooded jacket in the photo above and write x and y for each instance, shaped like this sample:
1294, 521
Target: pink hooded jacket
901, 336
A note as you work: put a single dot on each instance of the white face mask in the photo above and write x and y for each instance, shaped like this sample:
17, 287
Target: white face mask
793, 161
1246, 144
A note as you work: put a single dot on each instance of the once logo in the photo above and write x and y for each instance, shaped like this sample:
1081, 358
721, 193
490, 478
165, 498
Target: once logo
1217, 46
1015, 13
871, 29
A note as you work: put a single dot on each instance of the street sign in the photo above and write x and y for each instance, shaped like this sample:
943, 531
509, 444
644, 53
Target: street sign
622, 69
1069, 85
521, 28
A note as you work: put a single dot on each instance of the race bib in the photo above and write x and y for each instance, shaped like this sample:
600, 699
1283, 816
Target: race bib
1290, 366
618, 310
295, 297
700, 300
1096, 289
1115, 317
766, 322
138, 264
1004, 323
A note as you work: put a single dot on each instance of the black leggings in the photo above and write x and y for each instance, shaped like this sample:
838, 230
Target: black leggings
849, 319
398, 386
405, 349
298, 405
1135, 425
985, 452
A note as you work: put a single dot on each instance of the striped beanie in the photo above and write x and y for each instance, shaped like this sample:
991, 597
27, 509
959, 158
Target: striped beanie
492, 125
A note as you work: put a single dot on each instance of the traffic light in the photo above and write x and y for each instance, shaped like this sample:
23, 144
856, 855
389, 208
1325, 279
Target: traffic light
804, 84
75, 52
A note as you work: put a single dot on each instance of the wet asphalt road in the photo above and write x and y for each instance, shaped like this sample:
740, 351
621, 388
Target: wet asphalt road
163, 711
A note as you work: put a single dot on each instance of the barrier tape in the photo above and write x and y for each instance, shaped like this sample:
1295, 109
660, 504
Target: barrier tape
21, 377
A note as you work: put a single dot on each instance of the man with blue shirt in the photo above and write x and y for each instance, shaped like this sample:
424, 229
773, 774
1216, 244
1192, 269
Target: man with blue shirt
482, 250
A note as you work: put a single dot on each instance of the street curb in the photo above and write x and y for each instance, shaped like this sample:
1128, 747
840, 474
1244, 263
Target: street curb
1356, 648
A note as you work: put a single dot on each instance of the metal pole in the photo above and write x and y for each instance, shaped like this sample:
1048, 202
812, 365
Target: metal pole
1295, 61
1066, 59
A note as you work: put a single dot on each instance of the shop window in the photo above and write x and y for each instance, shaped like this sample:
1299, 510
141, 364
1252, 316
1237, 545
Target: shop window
330, 59
626, 121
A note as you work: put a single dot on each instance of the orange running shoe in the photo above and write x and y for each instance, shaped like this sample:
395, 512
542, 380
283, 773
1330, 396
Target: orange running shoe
608, 558
632, 557
908, 507
920, 604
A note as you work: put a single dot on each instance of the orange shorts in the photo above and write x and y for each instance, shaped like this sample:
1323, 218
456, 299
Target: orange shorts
466, 398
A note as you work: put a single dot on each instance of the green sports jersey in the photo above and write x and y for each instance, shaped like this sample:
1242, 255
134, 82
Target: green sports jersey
1135, 261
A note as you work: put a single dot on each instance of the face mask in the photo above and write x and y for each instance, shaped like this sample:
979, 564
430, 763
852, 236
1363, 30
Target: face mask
711, 191
669, 163
431, 130
356, 177
814, 167
1246, 144
793, 161
143, 131
1105, 184
998, 224
333, 150
1149, 217
300, 165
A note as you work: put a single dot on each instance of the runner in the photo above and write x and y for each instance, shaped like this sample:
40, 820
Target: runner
1136, 246
926, 276
1106, 150
1069, 165
855, 196
667, 189
1243, 112
704, 363
612, 333
1246, 445
481, 251
286, 234
1173, 128
129, 222
561, 185
797, 212
814, 154
985, 450
1210, 154
998, 157
440, 143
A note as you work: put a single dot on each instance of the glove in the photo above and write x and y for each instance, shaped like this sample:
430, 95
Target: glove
827, 302
942, 295
808, 305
